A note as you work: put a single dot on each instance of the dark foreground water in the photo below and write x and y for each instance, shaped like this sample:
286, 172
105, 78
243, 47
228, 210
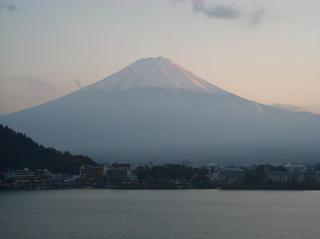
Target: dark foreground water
164, 214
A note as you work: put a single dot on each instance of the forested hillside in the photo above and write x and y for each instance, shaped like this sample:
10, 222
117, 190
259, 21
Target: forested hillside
19, 151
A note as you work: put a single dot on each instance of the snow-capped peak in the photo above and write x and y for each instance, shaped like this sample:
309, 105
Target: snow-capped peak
154, 72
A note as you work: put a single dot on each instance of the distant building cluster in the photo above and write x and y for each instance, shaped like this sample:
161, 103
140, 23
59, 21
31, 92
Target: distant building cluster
175, 176
115, 174
265, 176
37, 179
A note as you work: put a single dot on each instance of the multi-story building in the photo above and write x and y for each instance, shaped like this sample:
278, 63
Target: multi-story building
30, 179
231, 176
118, 173
92, 176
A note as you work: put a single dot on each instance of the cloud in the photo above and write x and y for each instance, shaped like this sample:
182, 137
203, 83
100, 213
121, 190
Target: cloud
293, 108
21, 92
23, 80
78, 84
257, 107
5, 6
257, 16
32, 85
221, 11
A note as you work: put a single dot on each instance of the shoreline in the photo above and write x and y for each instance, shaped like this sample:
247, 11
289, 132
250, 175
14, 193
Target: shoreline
222, 188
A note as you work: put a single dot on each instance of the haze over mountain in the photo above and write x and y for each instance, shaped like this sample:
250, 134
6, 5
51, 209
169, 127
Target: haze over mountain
154, 110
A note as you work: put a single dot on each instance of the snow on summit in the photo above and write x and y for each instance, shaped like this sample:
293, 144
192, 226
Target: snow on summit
155, 110
154, 72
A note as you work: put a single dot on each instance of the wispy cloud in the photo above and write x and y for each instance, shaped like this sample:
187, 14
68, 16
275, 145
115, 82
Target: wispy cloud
7, 6
293, 108
29, 80
222, 11
78, 84
229, 11
19, 92
257, 16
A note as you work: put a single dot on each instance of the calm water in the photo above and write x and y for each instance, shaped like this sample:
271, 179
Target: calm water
164, 214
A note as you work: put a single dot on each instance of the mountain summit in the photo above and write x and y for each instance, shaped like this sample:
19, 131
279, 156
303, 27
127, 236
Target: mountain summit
157, 72
154, 110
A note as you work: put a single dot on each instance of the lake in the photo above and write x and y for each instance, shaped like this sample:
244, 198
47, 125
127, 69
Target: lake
159, 214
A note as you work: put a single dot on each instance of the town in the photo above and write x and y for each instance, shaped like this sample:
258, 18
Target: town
168, 176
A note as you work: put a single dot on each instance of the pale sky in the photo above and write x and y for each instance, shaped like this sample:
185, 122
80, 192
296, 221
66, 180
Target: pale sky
264, 50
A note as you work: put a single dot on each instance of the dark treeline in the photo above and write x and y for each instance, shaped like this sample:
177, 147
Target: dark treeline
170, 174
263, 176
19, 151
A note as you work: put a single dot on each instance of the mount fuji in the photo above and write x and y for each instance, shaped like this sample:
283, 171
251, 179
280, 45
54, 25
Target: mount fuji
154, 110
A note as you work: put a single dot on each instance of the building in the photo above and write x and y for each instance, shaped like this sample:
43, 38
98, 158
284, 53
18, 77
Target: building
30, 179
296, 168
92, 176
231, 176
214, 173
288, 175
119, 173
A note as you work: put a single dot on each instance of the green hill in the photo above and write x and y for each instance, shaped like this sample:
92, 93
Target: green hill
19, 151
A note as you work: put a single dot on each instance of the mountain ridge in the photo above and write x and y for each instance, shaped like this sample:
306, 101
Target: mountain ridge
139, 121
